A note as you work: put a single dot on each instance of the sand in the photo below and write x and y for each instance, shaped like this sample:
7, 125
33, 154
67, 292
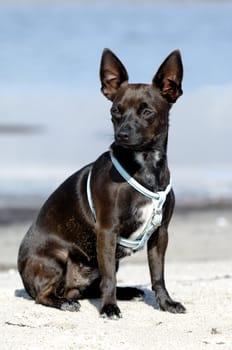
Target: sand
204, 288
198, 274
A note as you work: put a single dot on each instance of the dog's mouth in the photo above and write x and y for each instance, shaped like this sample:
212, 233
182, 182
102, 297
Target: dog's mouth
138, 146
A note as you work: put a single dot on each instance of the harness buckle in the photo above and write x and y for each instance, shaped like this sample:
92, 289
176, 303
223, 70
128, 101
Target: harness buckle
157, 215
157, 218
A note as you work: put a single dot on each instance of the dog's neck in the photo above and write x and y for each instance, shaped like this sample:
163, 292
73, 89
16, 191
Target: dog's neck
149, 165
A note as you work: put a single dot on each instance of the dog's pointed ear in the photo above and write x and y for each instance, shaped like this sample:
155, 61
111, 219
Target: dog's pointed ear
112, 74
169, 77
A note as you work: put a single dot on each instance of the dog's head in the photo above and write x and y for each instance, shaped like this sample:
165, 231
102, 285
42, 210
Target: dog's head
140, 111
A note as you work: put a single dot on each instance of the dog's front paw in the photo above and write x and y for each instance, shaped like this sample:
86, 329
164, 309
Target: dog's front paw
111, 311
173, 307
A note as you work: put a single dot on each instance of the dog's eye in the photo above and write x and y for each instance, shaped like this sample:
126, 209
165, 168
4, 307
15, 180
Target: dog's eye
115, 112
148, 114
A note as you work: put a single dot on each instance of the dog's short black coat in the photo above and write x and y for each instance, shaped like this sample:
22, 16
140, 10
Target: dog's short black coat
66, 255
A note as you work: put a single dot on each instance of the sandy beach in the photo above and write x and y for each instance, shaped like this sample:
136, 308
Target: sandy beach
198, 274
51, 104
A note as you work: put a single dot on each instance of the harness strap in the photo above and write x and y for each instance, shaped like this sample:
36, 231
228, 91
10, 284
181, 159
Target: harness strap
89, 195
136, 184
158, 200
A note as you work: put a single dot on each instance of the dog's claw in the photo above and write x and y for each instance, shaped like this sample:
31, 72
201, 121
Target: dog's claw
111, 311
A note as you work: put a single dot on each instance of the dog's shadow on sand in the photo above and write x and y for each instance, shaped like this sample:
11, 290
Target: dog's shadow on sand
21, 293
149, 298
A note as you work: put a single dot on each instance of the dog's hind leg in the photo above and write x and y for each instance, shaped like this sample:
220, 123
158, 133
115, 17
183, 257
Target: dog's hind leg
47, 298
129, 293
123, 293
44, 279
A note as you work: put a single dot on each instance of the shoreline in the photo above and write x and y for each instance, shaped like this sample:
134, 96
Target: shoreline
195, 235
11, 213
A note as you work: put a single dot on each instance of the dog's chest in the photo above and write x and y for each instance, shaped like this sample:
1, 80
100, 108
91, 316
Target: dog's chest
143, 215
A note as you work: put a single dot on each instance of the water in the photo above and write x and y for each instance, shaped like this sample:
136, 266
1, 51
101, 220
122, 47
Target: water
53, 118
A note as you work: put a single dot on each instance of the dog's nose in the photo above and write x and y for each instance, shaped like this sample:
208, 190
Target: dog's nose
122, 135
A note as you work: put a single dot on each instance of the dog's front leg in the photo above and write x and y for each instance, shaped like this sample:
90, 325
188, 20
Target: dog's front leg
106, 247
156, 254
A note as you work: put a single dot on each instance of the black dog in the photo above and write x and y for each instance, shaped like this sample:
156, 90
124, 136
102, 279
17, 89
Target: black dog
96, 216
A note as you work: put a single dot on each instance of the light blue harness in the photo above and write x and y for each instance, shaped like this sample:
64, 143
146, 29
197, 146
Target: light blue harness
155, 220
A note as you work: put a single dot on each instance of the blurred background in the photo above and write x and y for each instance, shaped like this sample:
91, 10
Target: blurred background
53, 118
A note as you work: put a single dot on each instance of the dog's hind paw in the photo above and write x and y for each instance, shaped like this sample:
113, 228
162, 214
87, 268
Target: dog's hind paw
72, 305
111, 311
